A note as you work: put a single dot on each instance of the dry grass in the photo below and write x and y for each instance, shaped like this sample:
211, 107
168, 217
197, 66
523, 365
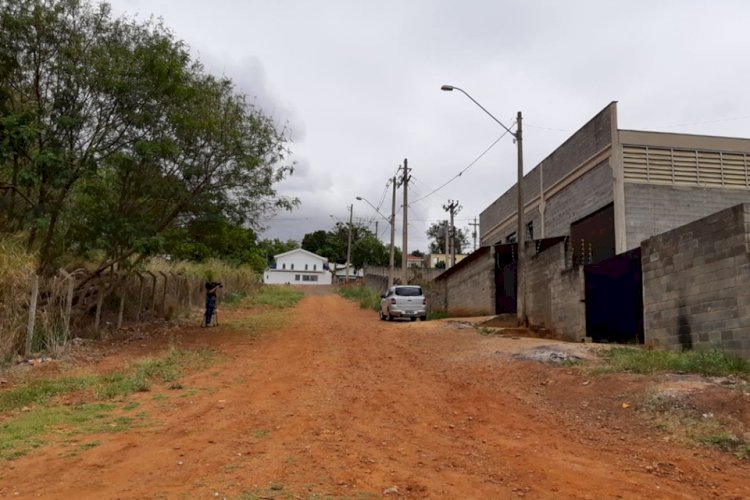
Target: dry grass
164, 290
16, 271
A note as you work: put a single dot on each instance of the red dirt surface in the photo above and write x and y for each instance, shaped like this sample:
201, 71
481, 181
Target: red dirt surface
339, 404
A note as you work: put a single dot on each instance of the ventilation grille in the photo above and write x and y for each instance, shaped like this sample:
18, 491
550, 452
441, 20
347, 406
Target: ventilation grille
686, 167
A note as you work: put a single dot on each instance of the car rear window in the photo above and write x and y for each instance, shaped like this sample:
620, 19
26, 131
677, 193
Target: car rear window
413, 291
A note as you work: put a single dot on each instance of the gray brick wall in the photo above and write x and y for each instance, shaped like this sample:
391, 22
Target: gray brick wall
580, 199
695, 284
470, 289
586, 142
652, 209
555, 294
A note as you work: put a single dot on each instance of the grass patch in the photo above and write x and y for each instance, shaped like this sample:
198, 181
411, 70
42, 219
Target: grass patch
165, 370
728, 442
432, 315
42, 425
260, 433
709, 363
279, 296
367, 297
233, 298
42, 422
41, 391
690, 426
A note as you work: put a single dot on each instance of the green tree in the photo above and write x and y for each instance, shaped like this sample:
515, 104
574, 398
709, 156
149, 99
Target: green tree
366, 247
437, 231
110, 136
269, 248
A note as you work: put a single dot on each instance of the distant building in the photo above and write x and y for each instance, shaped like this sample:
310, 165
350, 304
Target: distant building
431, 259
298, 267
339, 273
414, 261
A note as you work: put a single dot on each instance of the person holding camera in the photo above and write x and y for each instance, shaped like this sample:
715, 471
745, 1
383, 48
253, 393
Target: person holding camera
211, 288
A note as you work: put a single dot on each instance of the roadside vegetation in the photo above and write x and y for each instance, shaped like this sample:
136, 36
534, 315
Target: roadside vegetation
365, 296
277, 296
684, 423
646, 361
32, 410
682, 420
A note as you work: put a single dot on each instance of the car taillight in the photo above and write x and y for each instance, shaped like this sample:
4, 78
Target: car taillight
393, 301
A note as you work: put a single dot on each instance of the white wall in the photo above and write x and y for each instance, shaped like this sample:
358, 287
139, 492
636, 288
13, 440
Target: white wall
276, 277
298, 267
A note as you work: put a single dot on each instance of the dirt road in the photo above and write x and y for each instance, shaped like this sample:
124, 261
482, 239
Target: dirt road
339, 404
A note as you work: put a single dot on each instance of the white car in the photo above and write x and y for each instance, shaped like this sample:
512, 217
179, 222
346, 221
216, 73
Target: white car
403, 301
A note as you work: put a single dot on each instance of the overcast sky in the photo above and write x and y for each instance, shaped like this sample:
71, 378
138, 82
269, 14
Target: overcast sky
358, 83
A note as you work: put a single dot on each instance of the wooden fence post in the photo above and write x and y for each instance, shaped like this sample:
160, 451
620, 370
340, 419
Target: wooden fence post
153, 291
140, 297
32, 314
99, 304
189, 290
123, 286
68, 303
164, 294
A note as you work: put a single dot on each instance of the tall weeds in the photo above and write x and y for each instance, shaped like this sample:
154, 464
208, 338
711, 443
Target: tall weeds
16, 271
160, 290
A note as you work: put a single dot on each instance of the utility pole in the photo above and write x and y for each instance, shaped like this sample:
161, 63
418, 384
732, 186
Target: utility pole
405, 177
474, 232
453, 208
391, 269
349, 244
445, 248
376, 228
521, 265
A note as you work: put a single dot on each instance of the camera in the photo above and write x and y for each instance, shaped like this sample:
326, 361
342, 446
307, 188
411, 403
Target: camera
214, 284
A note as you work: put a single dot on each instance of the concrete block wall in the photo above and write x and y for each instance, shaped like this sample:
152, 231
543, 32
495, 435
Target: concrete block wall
593, 137
581, 198
554, 294
695, 284
653, 209
470, 288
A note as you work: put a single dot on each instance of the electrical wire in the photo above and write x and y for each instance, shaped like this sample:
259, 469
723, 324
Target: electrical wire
464, 170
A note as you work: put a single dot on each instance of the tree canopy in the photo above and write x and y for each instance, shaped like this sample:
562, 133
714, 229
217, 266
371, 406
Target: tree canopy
366, 247
116, 145
437, 231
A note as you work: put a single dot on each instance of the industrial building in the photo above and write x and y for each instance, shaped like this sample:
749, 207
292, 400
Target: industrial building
589, 208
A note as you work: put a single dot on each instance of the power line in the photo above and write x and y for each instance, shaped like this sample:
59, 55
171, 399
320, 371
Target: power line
465, 168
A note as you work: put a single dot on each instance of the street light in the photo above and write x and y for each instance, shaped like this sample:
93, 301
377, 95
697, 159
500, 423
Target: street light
520, 233
390, 221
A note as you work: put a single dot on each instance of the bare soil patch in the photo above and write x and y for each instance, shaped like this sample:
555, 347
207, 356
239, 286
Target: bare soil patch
340, 404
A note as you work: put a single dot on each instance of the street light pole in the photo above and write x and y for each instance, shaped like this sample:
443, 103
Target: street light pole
520, 232
521, 271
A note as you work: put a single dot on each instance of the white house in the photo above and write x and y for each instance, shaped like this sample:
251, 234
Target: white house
298, 267
339, 272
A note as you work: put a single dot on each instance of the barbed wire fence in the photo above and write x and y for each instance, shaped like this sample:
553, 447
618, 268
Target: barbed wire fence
43, 314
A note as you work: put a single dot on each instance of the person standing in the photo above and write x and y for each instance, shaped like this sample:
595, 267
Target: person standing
211, 288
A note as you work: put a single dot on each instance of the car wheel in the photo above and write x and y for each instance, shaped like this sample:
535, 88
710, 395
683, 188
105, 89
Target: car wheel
382, 316
422, 318
390, 316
